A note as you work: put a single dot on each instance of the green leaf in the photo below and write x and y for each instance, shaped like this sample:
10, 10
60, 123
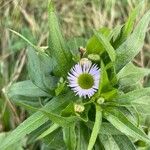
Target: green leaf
127, 77
57, 47
69, 110
69, 136
130, 48
82, 137
47, 63
129, 25
104, 84
26, 94
26, 40
94, 45
55, 141
116, 142
104, 81
36, 120
52, 128
29, 103
108, 142
130, 22
109, 135
109, 129
32, 137
145, 107
122, 123
26, 88
16, 146
38, 73
74, 44
96, 127
135, 96
106, 128
115, 33
62, 121
124, 142
106, 44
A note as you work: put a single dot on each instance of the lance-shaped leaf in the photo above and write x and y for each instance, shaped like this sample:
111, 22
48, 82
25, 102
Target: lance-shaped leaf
54, 141
96, 127
130, 48
62, 121
16, 146
105, 87
26, 88
122, 123
104, 81
109, 129
51, 129
124, 142
106, 128
36, 120
127, 78
26, 94
74, 44
129, 25
106, 44
108, 142
132, 18
94, 45
116, 142
26, 40
69, 136
138, 98
134, 97
82, 136
38, 70
57, 47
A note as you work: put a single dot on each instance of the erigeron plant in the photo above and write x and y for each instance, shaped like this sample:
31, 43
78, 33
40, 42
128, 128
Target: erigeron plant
86, 98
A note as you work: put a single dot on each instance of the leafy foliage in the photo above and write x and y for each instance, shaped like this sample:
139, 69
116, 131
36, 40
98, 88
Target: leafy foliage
106, 121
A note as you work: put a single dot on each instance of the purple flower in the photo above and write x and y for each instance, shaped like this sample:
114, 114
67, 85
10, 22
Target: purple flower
84, 78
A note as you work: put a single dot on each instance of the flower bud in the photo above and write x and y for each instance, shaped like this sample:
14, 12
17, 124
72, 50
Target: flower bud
78, 108
85, 62
100, 100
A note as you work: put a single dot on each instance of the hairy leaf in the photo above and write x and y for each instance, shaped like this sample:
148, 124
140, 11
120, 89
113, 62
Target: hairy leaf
96, 127
107, 46
94, 45
130, 22
130, 74
134, 97
36, 120
69, 136
26, 88
38, 73
116, 142
122, 123
52, 128
130, 48
57, 47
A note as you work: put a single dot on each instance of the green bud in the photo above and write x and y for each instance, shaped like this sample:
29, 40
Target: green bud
100, 100
78, 108
94, 57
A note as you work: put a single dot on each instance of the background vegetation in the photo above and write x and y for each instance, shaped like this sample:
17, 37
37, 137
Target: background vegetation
29, 17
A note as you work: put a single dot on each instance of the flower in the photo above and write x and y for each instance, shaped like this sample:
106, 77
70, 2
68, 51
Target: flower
84, 78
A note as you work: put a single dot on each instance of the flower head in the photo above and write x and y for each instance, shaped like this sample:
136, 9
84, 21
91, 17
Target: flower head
84, 78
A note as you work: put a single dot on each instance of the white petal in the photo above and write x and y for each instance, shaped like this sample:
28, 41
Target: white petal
79, 69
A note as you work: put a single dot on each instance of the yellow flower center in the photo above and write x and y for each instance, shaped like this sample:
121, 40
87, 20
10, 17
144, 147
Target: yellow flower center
85, 81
